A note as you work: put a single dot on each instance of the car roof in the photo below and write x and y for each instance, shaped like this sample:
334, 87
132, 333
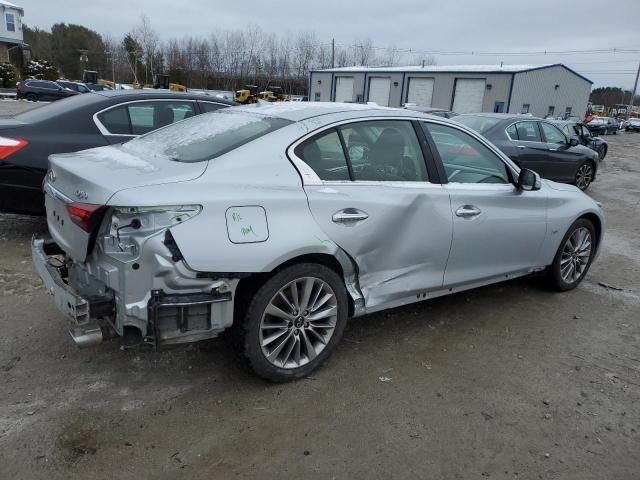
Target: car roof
503, 116
160, 93
298, 111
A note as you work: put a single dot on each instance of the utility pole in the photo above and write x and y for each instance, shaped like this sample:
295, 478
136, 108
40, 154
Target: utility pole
333, 53
635, 86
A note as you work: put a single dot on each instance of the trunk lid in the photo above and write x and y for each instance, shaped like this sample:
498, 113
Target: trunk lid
92, 177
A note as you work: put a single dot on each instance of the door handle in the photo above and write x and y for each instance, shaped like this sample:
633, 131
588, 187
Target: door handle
553, 149
349, 215
468, 211
521, 147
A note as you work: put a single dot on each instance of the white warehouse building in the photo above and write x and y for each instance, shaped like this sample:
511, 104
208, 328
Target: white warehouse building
540, 90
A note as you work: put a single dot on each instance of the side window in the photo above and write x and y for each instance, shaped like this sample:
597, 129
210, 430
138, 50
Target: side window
384, 150
512, 131
528, 132
116, 121
148, 116
465, 159
209, 107
325, 156
552, 134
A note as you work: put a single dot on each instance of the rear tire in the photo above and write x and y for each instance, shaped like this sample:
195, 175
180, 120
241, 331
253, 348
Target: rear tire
585, 174
602, 151
31, 97
574, 256
293, 323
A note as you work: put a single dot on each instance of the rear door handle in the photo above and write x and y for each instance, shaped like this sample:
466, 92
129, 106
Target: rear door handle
468, 211
521, 147
349, 215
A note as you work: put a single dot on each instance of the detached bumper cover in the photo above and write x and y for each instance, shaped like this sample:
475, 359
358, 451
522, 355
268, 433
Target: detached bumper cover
68, 302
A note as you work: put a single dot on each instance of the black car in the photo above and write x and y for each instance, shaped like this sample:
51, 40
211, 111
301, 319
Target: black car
538, 145
46, 90
75, 86
603, 126
78, 123
580, 132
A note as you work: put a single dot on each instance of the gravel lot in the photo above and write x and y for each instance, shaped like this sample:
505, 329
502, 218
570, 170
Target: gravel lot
508, 381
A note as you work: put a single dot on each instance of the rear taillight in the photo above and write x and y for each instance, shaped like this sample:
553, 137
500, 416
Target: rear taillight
9, 146
85, 215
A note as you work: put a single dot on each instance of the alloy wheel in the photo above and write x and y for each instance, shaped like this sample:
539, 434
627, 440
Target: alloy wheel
298, 322
576, 254
584, 176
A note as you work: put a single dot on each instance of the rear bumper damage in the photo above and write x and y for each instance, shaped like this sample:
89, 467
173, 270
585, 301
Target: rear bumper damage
154, 298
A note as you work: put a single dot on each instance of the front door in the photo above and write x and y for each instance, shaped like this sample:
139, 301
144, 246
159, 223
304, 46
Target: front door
373, 199
563, 158
497, 229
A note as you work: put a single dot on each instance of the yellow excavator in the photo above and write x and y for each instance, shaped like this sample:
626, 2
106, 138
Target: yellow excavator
250, 94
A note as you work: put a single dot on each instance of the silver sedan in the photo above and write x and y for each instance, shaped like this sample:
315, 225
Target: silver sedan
279, 222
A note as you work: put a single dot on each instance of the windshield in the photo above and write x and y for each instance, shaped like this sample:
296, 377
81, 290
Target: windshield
478, 123
206, 136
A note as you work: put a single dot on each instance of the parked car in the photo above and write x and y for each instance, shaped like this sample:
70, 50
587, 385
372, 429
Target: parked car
98, 87
538, 145
75, 86
632, 125
278, 222
438, 112
77, 123
603, 126
580, 132
45, 90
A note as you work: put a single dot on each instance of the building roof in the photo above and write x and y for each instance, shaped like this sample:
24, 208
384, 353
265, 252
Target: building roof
3, 3
451, 69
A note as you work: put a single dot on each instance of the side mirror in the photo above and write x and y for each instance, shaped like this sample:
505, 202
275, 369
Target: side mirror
573, 142
528, 180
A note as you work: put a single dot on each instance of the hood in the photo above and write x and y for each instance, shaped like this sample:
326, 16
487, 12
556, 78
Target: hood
95, 175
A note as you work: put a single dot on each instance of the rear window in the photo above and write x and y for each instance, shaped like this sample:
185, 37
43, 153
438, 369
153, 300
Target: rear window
478, 123
206, 136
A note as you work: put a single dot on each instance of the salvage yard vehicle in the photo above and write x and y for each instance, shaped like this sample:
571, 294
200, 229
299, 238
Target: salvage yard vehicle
603, 126
581, 133
537, 144
632, 125
84, 121
45, 90
279, 222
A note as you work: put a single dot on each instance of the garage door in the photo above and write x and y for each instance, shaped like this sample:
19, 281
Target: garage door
420, 91
379, 89
344, 89
469, 95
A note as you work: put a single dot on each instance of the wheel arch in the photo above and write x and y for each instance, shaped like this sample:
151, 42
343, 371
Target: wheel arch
597, 224
339, 262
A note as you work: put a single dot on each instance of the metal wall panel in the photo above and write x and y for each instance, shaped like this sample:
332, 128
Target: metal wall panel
553, 86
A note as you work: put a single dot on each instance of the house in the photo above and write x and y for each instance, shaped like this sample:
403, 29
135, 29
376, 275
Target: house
11, 37
541, 90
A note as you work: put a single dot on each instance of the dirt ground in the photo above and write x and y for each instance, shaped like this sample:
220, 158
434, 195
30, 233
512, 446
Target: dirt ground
509, 381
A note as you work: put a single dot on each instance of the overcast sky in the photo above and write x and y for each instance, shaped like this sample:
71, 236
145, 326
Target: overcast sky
422, 25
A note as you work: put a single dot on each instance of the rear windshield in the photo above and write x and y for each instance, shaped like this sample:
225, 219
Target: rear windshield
206, 136
476, 122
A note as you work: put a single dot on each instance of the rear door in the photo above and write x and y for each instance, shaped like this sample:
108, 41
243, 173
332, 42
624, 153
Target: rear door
497, 229
122, 122
370, 193
530, 149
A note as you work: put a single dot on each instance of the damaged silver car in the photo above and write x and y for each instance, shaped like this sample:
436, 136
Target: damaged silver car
279, 222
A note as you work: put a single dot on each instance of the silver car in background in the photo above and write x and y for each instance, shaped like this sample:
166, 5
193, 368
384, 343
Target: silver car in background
279, 222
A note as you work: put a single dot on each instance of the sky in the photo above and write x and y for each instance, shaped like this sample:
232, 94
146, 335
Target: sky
457, 27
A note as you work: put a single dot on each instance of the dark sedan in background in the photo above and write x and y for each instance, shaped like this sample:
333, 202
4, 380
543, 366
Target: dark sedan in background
83, 121
46, 90
603, 126
580, 132
538, 145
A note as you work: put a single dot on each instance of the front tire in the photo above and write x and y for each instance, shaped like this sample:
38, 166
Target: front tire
584, 175
294, 322
31, 97
574, 256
